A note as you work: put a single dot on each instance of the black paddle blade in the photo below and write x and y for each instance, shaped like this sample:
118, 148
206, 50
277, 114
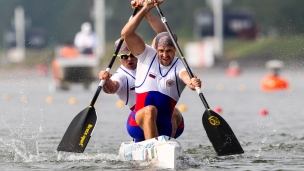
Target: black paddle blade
220, 134
79, 131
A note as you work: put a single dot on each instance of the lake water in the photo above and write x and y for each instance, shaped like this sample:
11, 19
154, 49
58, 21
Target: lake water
33, 121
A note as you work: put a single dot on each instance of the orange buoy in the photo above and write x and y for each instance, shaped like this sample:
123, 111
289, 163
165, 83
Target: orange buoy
120, 103
272, 82
182, 107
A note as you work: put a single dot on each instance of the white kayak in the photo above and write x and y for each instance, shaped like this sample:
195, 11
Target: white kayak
162, 151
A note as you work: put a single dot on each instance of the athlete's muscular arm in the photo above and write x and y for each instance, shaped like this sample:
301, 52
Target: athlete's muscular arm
110, 86
135, 43
156, 24
191, 83
154, 21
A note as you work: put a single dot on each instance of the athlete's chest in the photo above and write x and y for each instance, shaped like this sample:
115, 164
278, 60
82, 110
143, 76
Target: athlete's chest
163, 78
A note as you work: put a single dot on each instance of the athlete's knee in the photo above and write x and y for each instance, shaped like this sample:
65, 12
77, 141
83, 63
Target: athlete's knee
146, 114
151, 112
177, 112
177, 116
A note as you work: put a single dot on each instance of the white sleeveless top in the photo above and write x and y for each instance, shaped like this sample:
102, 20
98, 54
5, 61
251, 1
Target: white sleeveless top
152, 76
126, 90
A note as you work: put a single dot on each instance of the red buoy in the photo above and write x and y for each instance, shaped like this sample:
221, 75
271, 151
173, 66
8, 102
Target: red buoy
263, 112
218, 110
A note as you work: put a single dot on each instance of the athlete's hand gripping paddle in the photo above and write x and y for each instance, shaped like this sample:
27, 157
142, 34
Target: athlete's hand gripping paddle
219, 132
80, 129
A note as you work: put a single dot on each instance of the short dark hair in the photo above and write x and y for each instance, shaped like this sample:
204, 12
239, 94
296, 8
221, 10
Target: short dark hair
164, 39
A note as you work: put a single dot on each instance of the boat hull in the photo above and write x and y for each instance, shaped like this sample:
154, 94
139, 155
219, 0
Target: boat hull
162, 151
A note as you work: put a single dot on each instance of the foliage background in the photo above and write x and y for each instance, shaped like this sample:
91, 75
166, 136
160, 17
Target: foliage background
62, 18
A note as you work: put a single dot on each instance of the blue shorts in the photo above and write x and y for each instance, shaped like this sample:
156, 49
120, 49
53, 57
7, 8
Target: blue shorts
164, 129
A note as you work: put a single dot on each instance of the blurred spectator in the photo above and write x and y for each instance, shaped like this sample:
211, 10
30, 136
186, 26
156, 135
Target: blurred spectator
86, 40
68, 50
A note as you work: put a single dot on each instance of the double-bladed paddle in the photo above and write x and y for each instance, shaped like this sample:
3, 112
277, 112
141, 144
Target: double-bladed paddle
219, 132
80, 129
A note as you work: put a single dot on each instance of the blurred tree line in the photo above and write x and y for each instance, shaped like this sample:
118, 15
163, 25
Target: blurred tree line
62, 18
287, 17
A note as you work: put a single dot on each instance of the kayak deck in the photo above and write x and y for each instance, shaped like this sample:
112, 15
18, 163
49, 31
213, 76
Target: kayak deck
161, 151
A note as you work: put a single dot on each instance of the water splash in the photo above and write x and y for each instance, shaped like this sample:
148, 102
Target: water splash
64, 156
21, 142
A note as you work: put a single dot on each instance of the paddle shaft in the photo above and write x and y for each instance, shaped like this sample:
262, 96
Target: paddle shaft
198, 89
102, 82
219, 132
79, 132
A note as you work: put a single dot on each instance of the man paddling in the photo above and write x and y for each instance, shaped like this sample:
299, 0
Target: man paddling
160, 79
122, 83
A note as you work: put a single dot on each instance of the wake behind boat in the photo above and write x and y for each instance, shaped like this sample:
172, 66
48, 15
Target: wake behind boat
162, 151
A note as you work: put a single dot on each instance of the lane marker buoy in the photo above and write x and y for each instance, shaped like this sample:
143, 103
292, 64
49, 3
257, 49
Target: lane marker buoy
6, 97
49, 99
182, 107
72, 101
218, 110
263, 112
120, 103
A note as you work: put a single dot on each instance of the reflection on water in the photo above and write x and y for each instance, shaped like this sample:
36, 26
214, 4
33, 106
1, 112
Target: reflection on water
32, 125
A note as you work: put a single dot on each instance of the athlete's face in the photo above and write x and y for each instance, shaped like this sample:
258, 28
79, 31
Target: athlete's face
128, 60
166, 54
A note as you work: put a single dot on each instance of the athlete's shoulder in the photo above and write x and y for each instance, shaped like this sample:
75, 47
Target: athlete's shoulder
147, 54
118, 75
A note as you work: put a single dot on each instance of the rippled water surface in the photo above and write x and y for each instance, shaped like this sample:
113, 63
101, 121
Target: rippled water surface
33, 121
